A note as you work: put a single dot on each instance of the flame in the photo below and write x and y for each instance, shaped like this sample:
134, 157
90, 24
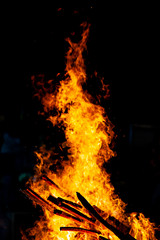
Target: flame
88, 135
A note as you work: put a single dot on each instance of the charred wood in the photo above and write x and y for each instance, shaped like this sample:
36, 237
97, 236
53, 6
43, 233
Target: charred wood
113, 221
44, 204
53, 184
77, 229
76, 205
66, 215
37, 199
50, 182
69, 209
94, 213
103, 238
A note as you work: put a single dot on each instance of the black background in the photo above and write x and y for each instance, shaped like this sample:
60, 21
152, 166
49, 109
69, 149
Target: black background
123, 48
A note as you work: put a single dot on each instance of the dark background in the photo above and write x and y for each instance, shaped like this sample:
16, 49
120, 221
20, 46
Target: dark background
123, 48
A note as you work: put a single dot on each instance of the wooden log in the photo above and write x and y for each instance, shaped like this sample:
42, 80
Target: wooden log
75, 205
54, 200
69, 209
114, 222
37, 199
44, 204
53, 184
66, 215
118, 225
94, 213
78, 229
103, 238
50, 182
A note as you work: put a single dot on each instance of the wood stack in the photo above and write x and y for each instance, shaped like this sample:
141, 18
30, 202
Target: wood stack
73, 211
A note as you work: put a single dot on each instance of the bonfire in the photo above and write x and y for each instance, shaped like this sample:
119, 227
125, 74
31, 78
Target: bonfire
77, 196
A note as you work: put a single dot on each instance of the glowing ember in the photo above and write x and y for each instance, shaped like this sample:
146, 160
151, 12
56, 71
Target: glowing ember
88, 134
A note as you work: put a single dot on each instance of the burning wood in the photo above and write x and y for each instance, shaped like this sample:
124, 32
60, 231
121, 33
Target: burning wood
117, 224
119, 229
103, 238
69, 209
76, 205
93, 212
50, 182
114, 222
78, 229
66, 215
43, 203
37, 199
79, 216
53, 184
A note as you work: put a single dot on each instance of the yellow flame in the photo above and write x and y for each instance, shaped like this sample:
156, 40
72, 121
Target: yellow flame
88, 134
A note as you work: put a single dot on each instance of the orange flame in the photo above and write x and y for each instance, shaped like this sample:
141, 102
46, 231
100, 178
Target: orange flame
88, 134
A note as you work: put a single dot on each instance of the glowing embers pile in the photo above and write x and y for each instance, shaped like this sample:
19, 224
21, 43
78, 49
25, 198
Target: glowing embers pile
88, 134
